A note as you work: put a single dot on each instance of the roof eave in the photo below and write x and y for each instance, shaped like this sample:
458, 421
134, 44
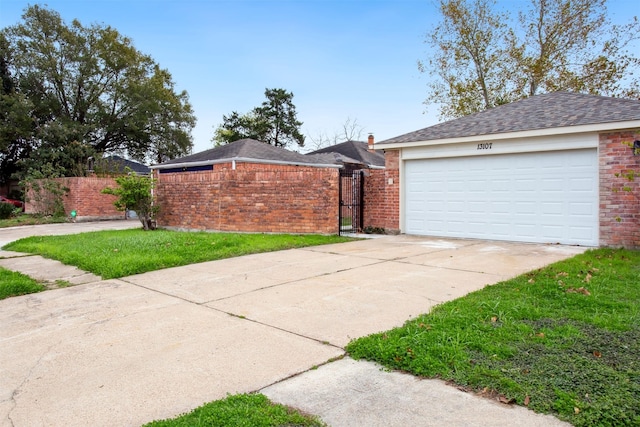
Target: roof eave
598, 127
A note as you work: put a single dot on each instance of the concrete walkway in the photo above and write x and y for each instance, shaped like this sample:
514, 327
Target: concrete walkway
125, 352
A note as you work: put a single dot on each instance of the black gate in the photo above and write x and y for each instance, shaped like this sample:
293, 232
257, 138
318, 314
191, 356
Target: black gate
351, 200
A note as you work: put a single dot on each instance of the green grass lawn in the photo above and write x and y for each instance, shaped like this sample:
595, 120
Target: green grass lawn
244, 410
112, 254
12, 284
28, 219
563, 340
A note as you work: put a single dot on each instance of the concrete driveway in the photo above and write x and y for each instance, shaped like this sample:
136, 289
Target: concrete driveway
128, 351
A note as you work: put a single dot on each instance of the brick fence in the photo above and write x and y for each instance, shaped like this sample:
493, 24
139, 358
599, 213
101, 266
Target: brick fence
85, 198
619, 196
250, 198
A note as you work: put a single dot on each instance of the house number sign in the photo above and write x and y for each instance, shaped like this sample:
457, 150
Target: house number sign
484, 146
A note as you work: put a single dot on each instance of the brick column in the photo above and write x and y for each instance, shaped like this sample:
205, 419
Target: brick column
382, 195
619, 196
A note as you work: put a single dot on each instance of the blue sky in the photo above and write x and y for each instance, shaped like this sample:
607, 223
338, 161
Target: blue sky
341, 59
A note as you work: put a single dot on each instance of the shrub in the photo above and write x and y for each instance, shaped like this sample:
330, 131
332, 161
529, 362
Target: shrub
6, 210
135, 193
45, 191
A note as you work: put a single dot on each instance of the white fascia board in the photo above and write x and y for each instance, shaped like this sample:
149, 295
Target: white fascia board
599, 128
241, 160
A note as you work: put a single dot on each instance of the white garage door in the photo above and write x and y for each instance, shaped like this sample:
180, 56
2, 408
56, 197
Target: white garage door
545, 197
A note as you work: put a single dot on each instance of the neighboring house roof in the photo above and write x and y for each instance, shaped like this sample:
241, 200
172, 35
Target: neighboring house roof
119, 164
247, 150
353, 152
538, 113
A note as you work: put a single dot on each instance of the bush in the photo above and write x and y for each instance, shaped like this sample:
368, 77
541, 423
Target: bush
46, 194
6, 210
135, 193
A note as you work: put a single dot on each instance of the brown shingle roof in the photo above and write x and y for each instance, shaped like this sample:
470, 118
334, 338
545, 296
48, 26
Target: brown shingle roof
547, 111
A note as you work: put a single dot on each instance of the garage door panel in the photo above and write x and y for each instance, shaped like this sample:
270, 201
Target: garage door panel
582, 233
553, 209
535, 197
581, 209
581, 184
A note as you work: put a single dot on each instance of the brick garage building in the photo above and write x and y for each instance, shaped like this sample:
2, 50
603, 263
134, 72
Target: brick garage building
249, 186
551, 168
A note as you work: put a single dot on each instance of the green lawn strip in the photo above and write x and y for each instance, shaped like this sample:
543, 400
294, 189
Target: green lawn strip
28, 219
563, 340
113, 254
243, 410
14, 284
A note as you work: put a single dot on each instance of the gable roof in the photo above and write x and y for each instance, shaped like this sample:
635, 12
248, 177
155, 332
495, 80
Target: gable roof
119, 164
554, 110
353, 152
246, 150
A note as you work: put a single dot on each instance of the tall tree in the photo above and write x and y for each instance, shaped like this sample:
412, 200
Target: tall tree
90, 87
279, 116
481, 58
571, 45
237, 126
274, 122
16, 126
469, 58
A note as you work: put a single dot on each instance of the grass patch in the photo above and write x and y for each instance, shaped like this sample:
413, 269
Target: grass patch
562, 340
28, 219
243, 410
113, 254
13, 284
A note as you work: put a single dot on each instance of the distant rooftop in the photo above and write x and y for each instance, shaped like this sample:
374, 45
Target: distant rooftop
117, 164
353, 152
247, 150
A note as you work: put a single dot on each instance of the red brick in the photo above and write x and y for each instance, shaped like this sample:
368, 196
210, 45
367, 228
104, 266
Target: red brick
619, 209
382, 198
251, 198
86, 199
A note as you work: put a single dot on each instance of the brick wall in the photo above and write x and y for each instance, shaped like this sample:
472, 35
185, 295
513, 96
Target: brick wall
382, 195
619, 209
251, 198
86, 199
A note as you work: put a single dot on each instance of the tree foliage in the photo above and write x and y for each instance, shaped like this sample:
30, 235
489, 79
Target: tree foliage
16, 125
274, 122
481, 57
79, 90
135, 192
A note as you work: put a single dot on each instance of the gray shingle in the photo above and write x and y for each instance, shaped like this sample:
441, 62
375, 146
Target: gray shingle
247, 149
119, 164
547, 111
356, 150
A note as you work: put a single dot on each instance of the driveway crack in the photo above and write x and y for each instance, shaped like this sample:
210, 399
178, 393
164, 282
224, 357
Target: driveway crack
18, 389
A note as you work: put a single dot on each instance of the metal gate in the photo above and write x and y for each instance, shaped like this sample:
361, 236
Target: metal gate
351, 200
